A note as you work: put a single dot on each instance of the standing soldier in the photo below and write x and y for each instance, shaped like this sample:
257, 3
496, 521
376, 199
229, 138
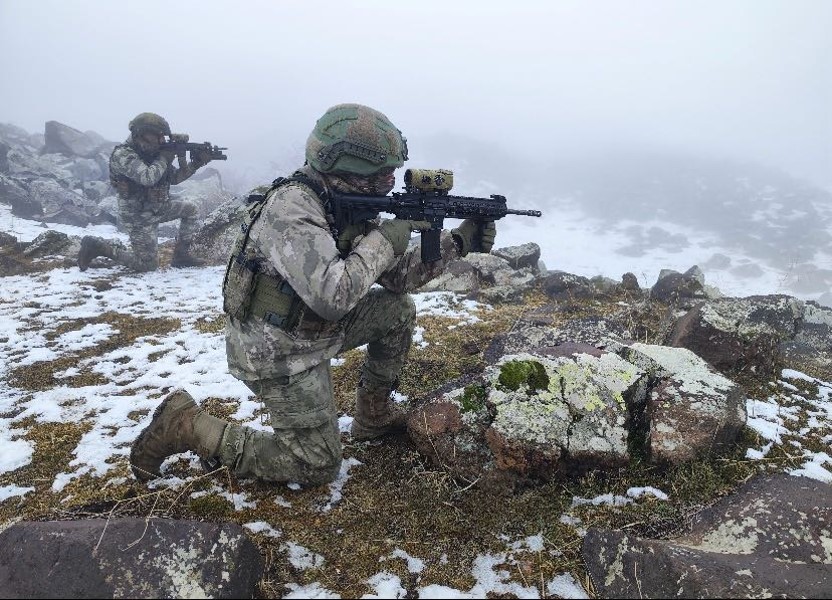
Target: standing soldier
142, 173
297, 292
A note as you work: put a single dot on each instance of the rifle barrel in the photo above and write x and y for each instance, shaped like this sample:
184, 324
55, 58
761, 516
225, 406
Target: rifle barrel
526, 213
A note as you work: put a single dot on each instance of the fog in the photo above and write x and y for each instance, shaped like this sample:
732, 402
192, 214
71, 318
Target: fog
531, 81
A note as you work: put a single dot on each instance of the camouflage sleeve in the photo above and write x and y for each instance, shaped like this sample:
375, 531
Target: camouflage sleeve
128, 163
294, 237
409, 273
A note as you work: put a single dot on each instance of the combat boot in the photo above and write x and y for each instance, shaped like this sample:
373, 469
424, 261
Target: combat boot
182, 258
376, 414
178, 425
91, 247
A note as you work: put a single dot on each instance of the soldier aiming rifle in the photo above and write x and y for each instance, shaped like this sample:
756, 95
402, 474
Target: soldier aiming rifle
142, 171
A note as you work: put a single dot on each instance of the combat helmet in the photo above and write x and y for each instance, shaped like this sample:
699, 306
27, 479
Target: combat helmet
151, 122
352, 138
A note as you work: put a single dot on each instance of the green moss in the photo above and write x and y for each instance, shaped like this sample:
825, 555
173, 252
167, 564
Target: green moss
517, 373
473, 398
211, 507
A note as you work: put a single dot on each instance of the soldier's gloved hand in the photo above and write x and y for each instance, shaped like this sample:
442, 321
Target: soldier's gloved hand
397, 232
473, 236
201, 158
167, 155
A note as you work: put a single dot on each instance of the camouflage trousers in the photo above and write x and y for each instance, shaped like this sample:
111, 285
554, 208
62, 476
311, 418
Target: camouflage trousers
142, 227
304, 445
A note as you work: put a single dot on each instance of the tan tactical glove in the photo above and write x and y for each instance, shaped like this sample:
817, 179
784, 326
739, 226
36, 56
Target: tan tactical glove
200, 158
397, 232
473, 236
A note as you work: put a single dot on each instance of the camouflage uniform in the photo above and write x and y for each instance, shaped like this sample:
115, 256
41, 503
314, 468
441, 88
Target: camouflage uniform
143, 188
289, 371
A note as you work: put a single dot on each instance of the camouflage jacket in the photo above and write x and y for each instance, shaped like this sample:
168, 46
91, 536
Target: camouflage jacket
144, 186
292, 238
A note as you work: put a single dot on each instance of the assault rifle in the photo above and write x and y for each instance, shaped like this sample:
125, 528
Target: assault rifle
179, 143
425, 198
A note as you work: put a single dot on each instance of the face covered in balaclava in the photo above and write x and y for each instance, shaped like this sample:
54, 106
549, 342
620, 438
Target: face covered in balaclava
148, 142
377, 184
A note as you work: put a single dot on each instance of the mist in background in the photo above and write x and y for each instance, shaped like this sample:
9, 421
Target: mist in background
652, 135
532, 81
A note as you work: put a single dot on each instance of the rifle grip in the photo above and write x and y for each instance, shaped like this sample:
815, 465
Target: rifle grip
431, 249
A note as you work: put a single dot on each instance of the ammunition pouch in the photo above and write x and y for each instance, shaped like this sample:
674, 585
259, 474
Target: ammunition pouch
274, 301
277, 303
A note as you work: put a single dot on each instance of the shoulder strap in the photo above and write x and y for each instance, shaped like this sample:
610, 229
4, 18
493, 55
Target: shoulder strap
296, 177
256, 203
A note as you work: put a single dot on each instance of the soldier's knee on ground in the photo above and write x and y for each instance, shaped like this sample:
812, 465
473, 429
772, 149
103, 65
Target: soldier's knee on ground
319, 459
322, 475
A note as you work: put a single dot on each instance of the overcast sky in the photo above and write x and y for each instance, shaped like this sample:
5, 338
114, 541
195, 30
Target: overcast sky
746, 79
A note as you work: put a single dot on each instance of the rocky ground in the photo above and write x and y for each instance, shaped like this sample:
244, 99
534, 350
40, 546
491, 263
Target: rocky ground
88, 356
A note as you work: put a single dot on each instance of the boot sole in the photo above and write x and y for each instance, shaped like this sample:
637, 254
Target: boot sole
140, 473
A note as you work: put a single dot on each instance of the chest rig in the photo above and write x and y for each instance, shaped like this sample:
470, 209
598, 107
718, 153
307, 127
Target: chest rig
151, 197
248, 291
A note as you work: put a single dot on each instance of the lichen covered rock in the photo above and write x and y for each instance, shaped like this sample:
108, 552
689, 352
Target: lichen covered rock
574, 407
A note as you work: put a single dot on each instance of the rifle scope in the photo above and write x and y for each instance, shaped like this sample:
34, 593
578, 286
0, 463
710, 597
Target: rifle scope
428, 180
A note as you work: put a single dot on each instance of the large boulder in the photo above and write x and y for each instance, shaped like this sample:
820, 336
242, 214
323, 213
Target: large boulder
769, 539
681, 289
504, 275
574, 407
88, 169
48, 201
215, 238
459, 276
689, 409
205, 190
12, 192
561, 286
63, 139
538, 328
755, 333
27, 165
15, 136
53, 243
61, 183
128, 558
525, 256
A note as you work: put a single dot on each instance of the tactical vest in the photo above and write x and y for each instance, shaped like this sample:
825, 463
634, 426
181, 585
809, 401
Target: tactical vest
127, 188
248, 291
